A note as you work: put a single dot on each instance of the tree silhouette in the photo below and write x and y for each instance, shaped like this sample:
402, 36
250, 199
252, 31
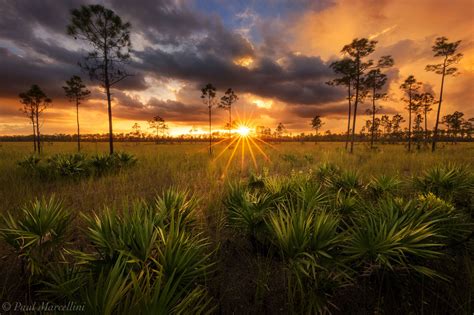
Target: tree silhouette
208, 96
159, 124
76, 92
454, 122
467, 127
137, 131
317, 123
410, 86
29, 110
226, 102
109, 39
424, 101
358, 50
345, 68
34, 103
386, 124
417, 129
397, 121
280, 130
374, 81
446, 50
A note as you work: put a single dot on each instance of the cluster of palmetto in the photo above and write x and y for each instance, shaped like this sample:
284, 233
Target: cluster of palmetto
75, 165
333, 231
364, 78
148, 259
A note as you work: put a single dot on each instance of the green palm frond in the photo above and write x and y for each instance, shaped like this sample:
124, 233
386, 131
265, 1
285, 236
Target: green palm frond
176, 205
450, 182
348, 182
38, 234
392, 235
247, 209
291, 229
383, 186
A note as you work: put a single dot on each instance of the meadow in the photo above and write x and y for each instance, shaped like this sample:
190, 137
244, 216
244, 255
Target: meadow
253, 262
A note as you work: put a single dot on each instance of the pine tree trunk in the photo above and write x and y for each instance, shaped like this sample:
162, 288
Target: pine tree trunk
78, 134
109, 109
373, 118
409, 122
34, 133
38, 135
210, 126
426, 127
107, 90
349, 115
435, 131
355, 105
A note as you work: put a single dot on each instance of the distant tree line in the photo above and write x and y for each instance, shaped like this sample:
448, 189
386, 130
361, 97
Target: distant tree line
387, 129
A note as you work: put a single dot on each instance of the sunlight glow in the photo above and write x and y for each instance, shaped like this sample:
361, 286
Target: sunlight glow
263, 103
242, 138
243, 131
244, 62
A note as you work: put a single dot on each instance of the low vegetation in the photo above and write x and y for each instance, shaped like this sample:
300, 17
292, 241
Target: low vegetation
312, 237
149, 259
75, 165
387, 234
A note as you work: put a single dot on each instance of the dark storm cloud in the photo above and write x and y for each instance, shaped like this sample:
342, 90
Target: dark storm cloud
19, 73
312, 110
300, 79
170, 20
180, 43
27, 59
131, 108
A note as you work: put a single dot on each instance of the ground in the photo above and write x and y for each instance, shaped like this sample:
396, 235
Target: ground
188, 166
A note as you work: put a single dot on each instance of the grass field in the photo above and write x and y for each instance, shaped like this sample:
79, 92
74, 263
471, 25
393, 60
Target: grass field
246, 278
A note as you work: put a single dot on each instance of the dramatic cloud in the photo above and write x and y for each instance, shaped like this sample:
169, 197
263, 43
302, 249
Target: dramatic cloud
274, 54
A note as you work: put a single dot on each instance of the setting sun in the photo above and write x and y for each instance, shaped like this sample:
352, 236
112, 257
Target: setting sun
243, 131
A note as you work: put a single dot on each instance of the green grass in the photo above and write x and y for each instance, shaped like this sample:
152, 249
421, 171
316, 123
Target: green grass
188, 166
308, 208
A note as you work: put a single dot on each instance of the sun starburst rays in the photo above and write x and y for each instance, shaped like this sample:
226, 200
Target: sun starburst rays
242, 138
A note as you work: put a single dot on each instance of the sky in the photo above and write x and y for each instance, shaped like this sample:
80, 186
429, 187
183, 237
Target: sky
275, 54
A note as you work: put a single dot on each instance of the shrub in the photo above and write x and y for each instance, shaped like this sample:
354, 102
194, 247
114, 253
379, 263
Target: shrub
247, 210
383, 186
348, 182
290, 158
30, 164
394, 235
450, 182
38, 234
75, 165
176, 206
67, 165
308, 241
144, 260
290, 230
326, 171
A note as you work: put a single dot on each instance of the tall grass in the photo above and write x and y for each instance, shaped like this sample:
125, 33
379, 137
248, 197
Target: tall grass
339, 237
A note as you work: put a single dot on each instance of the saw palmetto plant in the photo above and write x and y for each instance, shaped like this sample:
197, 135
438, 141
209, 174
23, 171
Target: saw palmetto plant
38, 233
177, 206
248, 209
451, 182
383, 185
